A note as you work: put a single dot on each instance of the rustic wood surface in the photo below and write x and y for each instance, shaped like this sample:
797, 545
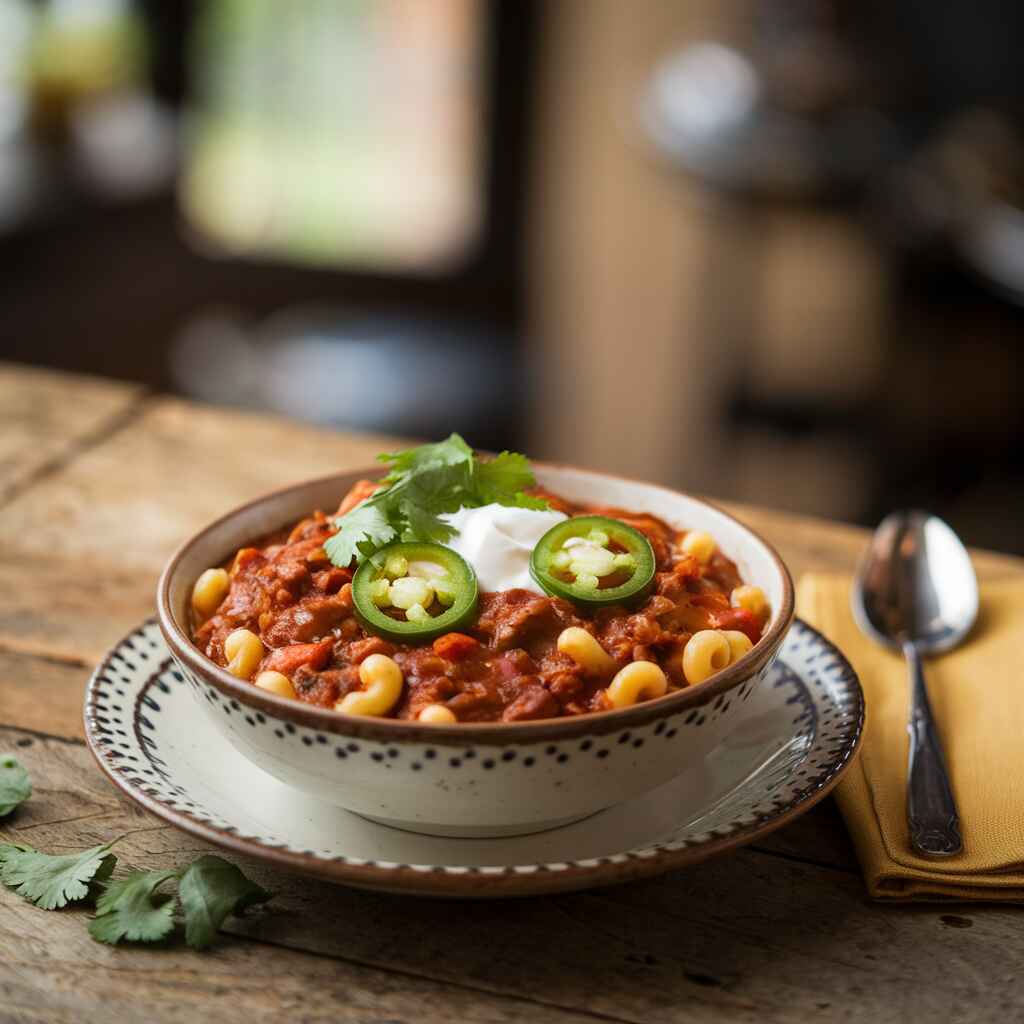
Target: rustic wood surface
98, 482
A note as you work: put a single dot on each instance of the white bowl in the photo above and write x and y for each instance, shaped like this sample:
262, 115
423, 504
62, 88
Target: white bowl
503, 778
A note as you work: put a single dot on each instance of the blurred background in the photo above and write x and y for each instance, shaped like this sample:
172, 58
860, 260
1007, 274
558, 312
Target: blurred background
768, 250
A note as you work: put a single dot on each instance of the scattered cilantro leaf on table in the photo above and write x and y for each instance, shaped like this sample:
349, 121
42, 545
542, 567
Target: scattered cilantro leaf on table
132, 909
15, 786
127, 909
49, 881
210, 888
424, 484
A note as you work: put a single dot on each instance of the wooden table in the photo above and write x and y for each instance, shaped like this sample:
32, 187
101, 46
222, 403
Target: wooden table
98, 481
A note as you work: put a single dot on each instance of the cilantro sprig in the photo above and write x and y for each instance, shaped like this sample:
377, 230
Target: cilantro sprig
131, 909
53, 881
424, 484
134, 908
209, 889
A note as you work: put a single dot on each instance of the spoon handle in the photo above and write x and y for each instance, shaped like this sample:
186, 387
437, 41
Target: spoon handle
931, 809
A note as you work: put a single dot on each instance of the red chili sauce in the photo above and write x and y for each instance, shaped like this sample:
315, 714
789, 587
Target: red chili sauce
506, 667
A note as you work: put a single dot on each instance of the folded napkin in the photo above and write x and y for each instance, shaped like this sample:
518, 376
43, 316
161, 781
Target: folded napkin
977, 696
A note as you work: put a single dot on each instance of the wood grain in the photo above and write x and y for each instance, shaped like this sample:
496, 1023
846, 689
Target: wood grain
42, 695
51, 970
780, 931
752, 936
45, 417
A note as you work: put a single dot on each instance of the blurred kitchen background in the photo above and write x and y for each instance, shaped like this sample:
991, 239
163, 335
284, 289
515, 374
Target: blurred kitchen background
769, 250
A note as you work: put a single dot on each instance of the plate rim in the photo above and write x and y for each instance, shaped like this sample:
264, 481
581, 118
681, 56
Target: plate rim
487, 882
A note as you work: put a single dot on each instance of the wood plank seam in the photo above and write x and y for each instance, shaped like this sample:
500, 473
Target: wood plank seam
38, 734
796, 859
52, 657
77, 446
517, 997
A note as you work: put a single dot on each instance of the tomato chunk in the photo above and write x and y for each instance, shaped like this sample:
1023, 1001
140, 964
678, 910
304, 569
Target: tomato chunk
714, 601
455, 646
288, 660
740, 619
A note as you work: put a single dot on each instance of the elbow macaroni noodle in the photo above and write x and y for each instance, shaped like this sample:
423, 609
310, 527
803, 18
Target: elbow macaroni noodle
639, 680
210, 589
382, 686
739, 643
711, 650
585, 651
700, 545
437, 714
751, 599
244, 651
276, 682
706, 653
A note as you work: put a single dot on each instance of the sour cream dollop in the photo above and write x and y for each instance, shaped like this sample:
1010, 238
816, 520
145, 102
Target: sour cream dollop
497, 541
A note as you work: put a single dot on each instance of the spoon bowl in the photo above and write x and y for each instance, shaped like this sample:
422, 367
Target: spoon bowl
916, 583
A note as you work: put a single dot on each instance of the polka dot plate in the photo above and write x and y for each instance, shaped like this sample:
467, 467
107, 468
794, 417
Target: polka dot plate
797, 734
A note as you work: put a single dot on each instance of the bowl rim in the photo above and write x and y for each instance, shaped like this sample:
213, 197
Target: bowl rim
465, 734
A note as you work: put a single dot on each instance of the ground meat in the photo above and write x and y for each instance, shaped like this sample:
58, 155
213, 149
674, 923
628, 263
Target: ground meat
330, 581
520, 618
325, 688
315, 526
477, 702
533, 701
359, 651
309, 620
430, 690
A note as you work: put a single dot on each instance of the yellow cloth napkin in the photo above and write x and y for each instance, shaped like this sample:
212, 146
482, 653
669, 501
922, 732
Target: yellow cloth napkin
977, 696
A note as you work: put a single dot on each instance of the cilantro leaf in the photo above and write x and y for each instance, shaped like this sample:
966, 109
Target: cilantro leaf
15, 786
209, 890
422, 485
54, 881
453, 451
506, 473
419, 524
435, 489
132, 909
521, 500
366, 525
504, 479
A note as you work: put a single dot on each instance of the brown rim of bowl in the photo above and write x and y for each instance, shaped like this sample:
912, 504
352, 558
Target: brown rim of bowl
438, 881
497, 733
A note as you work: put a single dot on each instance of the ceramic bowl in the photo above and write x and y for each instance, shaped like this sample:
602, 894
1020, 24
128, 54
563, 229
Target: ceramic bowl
472, 779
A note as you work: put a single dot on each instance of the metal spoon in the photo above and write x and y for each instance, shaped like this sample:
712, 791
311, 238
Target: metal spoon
916, 591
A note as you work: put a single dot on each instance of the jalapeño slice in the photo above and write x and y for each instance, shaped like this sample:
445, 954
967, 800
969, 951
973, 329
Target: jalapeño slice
594, 561
412, 592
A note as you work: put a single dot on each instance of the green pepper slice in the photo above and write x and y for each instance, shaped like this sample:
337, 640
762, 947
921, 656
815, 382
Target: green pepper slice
594, 561
412, 592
